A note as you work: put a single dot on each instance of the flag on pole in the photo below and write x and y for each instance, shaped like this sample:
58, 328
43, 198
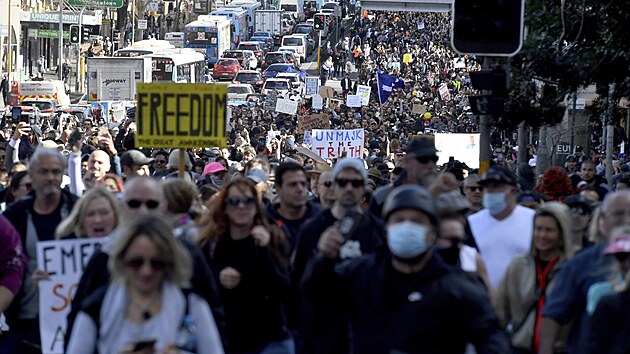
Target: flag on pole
385, 84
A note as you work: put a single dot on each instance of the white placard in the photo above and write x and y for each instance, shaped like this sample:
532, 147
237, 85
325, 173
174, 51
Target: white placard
364, 92
271, 134
353, 101
464, 147
308, 141
142, 24
64, 260
444, 93
330, 144
286, 106
312, 86
318, 102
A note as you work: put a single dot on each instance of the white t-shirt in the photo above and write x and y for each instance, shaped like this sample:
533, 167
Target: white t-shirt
501, 240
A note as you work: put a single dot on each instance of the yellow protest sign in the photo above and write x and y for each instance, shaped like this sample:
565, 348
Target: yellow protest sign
407, 58
172, 115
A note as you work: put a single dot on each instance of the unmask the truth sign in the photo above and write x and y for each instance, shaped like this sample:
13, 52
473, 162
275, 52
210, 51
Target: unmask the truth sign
330, 144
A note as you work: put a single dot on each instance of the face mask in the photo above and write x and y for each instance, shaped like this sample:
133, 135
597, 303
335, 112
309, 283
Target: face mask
407, 240
217, 181
494, 202
449, 254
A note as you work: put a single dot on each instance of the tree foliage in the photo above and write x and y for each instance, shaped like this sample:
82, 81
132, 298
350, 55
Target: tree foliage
568, 45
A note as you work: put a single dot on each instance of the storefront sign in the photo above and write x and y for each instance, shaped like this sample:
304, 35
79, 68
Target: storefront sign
53, 17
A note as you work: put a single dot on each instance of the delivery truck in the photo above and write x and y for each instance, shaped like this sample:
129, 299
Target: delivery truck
270, 21
115, 79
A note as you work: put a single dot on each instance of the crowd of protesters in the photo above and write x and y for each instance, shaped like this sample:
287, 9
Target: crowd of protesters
262, 248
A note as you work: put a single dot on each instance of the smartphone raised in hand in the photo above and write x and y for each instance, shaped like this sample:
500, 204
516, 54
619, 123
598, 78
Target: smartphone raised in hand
143, 344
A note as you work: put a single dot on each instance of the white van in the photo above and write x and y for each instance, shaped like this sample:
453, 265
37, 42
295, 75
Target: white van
296, 7
298, 42
44, 90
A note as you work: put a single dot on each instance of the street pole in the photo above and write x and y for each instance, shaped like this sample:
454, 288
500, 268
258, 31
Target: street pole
319, 50
610, 135
133, 21
572, 121
9, 44
60, 67
78, 84
484, 130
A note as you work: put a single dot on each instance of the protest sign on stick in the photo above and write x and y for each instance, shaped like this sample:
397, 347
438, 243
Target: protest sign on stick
64, 260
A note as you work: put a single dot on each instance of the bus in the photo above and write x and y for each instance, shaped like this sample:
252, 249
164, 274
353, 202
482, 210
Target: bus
238, 17
144, 47
181, 66
175, 38
209, 35
251, 6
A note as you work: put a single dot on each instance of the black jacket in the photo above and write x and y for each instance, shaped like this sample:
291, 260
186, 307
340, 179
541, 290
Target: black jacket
438, 310
324, 325
17, 213
254, 309
291, 228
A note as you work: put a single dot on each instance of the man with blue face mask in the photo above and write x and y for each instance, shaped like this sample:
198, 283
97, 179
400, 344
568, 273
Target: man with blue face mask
405, 299
503, 229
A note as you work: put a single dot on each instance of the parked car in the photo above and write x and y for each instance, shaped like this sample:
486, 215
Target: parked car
281, 86
239, 92
226, 68
252, 77
256, 47
275, 69
275, 58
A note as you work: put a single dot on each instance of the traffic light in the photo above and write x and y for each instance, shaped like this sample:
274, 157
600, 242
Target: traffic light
487, 27
74, 34
319, 22
85, 34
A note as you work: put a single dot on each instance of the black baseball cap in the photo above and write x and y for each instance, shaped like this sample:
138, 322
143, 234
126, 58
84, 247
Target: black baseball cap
500, 175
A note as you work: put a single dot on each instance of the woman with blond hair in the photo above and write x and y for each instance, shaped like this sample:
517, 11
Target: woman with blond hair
246, 256
530, 279
146, 307
95, 214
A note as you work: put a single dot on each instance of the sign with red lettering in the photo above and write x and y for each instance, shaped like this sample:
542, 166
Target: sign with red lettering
330, 144
64, 260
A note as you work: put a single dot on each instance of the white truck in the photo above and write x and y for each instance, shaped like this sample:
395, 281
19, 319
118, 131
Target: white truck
115, 79
296, 7
269, 21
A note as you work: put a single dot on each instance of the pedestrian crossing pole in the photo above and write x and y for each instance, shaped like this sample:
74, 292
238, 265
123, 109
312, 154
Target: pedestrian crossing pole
319, 50
60, 66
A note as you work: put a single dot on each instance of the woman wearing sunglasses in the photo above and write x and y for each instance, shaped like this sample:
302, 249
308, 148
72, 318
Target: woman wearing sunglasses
145, 308
530, 279
246, 255
610, 323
